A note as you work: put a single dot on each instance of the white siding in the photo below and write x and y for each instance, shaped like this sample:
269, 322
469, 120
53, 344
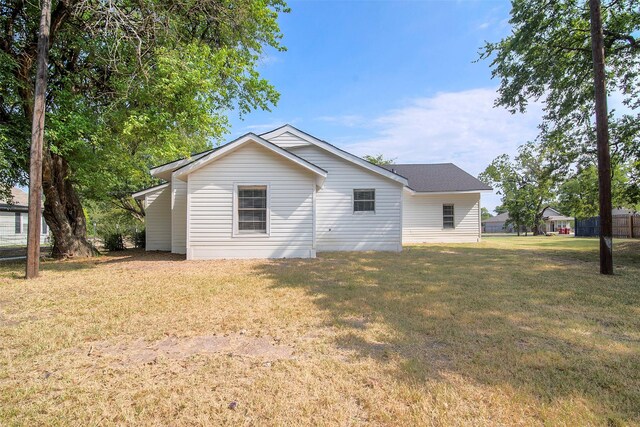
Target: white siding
337, 227
422, 218
178, 216
158, 220
8, 236
210, 207
288, 140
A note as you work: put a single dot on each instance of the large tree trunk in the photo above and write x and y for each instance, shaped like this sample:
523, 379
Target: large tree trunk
63, 210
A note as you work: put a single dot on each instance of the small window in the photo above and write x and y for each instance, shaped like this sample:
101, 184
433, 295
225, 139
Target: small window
252, 209
18, 222
364, 200
447, 216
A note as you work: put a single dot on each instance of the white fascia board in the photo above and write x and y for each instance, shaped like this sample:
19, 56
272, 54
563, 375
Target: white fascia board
185, 170
146, 191
170, 167
336, 151
435, 193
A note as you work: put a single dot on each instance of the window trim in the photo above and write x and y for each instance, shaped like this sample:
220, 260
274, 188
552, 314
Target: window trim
353, 202
235, 206
453, 216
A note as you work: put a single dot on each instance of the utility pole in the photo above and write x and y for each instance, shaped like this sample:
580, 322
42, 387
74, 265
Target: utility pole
37, 137
602, 132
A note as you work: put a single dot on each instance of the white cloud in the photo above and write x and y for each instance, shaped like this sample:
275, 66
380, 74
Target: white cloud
458, 127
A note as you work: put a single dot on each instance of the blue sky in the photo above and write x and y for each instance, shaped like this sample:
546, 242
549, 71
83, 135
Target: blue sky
394, 77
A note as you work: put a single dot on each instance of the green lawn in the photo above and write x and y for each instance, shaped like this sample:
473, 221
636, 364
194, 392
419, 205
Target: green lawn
511, 331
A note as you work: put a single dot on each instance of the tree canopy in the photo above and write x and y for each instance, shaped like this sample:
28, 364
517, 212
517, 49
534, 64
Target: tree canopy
131, 84
527, 184
547, 58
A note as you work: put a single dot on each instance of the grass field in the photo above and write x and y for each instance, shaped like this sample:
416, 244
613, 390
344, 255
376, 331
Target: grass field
512, 331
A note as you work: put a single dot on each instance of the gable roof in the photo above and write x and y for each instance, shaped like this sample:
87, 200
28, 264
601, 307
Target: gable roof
164, 171
498, 218
398, 177
140, 194
19, 201
438, 178
218, 152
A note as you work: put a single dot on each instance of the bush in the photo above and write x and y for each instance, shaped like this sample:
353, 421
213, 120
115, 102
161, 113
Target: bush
114, 242
140, 239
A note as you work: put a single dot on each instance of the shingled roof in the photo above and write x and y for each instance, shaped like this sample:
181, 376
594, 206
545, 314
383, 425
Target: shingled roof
18, 203
438, 178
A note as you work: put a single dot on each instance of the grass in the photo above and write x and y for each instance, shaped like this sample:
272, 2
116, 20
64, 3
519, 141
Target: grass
512, 331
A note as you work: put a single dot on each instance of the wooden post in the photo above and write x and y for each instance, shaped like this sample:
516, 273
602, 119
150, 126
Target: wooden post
630, 226
602, 133
37, 137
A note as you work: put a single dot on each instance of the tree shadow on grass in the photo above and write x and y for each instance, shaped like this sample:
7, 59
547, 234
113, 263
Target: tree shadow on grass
549, 325
15, 269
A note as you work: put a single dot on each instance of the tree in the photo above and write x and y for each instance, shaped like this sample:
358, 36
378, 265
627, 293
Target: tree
485, 214
549, 57
131, 84
378, 159
578, 195
527, 184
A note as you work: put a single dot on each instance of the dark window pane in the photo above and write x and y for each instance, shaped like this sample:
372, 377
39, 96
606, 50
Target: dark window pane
252, 209
364, 200
364, 195
18, 223
448, 216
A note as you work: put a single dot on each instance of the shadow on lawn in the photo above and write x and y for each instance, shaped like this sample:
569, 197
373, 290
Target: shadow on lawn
15, 269
550, 326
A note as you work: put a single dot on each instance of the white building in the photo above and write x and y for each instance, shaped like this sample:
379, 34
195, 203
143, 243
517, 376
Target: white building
287, 194
14, 220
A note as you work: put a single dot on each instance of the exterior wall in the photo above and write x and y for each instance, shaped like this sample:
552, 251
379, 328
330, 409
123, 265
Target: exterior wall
337, 227
178, 216
210, 204
288, 140
8, 236
422, 218
158, 220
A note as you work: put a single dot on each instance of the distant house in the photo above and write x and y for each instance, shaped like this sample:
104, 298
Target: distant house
497, 224
14, 220
286, 193
553, 222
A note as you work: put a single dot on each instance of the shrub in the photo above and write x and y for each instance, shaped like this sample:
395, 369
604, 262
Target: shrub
139, 238
114, 242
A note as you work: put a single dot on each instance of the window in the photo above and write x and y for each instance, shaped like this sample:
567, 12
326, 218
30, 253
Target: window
447, 216
18, 229
45, 230
252, 209
364, 201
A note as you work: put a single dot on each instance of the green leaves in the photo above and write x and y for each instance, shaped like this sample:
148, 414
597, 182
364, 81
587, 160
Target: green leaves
132, 84
547, 58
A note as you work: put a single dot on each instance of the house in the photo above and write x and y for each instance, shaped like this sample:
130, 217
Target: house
498, 224
286, 193
553, 222
14, 220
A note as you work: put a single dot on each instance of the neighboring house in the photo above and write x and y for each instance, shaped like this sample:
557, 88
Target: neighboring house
553, 221
14, 220
287, 194
497, 224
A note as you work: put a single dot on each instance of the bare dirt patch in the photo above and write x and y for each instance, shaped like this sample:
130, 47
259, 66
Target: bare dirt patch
144, 352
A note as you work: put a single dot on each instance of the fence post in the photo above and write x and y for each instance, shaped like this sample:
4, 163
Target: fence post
631, 226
